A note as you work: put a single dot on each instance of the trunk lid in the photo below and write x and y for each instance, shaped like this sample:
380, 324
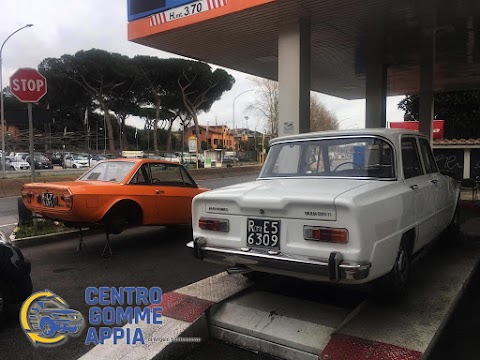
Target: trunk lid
293, 198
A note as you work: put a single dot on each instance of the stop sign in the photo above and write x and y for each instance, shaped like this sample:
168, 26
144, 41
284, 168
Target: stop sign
28, 85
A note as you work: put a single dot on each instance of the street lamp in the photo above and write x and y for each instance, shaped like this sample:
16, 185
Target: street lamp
236, 97
2, 115
233, 125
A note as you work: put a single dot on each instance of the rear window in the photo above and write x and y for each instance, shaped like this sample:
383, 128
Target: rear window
351, 157
112, 171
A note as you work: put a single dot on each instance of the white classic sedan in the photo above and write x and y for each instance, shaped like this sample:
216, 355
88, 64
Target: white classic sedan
339, 206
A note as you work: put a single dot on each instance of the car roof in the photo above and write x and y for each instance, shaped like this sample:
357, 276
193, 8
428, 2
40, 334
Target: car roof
392, 134
143, 160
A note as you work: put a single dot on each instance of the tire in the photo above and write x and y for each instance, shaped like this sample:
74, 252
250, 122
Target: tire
115, 222
452, 234
393, 287
2, 304
25, 215
12, 168
74, 166
453, 228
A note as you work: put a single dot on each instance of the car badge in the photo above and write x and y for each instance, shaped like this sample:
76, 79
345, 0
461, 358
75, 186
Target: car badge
262, 211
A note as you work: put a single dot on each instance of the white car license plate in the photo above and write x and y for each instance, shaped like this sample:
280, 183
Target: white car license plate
263, 233
47, 199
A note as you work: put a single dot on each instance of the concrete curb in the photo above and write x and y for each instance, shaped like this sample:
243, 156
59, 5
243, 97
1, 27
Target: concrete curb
184, 315
44, 239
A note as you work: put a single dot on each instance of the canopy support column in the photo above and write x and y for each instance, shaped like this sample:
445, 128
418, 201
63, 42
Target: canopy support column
427, 67
294, 78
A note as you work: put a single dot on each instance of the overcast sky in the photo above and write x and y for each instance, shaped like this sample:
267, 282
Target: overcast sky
67, 26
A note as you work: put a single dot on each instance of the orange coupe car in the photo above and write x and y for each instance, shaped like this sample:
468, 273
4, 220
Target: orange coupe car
118, 193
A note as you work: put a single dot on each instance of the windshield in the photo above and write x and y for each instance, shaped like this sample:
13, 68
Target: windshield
80, 157
113, 171
40, 157
351, 157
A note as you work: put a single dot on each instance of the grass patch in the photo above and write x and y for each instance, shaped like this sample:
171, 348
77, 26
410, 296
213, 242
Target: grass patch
40, 227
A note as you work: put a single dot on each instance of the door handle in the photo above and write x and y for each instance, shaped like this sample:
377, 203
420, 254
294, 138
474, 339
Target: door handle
159, 192
434, 181
414, 187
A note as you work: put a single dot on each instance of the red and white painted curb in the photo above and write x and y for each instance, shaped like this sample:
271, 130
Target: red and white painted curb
342, 347
183, 315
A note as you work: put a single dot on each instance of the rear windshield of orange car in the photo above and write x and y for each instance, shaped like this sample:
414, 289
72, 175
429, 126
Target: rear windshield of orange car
110, 171
350, 157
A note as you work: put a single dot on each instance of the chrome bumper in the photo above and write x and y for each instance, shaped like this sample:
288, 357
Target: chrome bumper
333, 268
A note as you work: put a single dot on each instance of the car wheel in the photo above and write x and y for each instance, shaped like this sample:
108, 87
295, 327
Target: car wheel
12, 168
393, 286
3, 295
74, 166
452, 232
115, 222
453, 228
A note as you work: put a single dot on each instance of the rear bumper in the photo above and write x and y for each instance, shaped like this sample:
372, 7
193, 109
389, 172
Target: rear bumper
333, 268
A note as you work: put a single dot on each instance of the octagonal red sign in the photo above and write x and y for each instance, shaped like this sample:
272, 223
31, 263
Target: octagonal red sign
28, 85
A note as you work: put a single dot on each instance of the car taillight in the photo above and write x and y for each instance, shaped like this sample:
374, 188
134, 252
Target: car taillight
213, 224
317, 233
28, 196
68, 199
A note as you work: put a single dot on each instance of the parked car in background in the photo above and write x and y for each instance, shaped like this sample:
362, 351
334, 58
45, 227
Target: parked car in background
18, 156
228, 159
170, 157
17, 165
96, 158
187, 158
55, 158
118, 193
340, 206
75, 161
15, 281
40, 161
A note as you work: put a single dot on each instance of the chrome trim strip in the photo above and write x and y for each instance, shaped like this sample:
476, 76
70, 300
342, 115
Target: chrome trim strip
350, 271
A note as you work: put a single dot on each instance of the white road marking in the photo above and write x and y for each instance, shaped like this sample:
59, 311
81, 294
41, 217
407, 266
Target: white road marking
8, 224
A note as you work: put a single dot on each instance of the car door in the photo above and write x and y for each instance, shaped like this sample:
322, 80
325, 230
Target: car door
68, 161
141, 188
423, 191
174, 192
443, 209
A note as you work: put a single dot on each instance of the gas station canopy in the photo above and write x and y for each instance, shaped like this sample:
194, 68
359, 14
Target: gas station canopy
243, 35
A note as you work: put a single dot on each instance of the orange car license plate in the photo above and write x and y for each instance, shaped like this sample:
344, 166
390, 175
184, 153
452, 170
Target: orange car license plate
47, 199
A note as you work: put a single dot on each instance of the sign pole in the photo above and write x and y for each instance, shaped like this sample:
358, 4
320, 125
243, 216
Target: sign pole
30, 137
29, 86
